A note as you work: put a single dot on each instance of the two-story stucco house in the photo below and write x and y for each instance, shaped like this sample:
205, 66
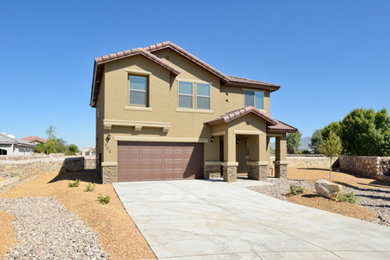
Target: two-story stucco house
164, 114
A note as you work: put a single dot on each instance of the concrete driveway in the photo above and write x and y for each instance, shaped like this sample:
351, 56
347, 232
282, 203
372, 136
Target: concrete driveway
215, 220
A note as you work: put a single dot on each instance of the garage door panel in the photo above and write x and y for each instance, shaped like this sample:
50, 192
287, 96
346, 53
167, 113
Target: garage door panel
141, 161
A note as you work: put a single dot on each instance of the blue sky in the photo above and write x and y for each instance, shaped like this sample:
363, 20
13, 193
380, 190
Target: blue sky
329, 56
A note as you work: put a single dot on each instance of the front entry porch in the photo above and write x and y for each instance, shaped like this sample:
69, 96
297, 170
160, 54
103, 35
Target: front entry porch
244, 145
249, 154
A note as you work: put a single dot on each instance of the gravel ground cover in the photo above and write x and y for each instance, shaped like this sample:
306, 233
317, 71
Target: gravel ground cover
46, 229
117, 234
374, 196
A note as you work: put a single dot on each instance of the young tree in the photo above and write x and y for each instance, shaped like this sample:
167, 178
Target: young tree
316, 140
293, 142
53, 144
334, 127
331, 147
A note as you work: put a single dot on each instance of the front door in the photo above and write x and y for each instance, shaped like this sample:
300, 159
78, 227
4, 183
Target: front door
221, 152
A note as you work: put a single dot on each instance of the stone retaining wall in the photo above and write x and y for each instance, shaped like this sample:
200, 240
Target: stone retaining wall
371, 166
310, 161
89, 162
21, 169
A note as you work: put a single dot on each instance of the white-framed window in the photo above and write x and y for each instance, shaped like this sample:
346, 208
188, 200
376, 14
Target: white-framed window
254, 98
185, 94
202, 96
138, 90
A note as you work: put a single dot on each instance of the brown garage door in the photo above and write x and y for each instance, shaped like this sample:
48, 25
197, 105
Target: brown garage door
140, 161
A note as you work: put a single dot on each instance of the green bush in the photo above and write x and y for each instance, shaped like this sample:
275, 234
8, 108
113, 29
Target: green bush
90, 187
104, 199
71, 149
295, 190
347, 197
76, 183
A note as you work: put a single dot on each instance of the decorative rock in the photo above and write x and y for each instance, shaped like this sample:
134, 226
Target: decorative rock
326, 188
45, 229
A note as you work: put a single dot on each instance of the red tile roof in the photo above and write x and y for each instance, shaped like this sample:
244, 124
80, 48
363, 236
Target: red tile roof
273, 125
34, 138
281, 128
229, 116
136, 51
147, 52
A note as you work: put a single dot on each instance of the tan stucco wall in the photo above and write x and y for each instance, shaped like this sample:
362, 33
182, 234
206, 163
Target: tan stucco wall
163, 100
99, 120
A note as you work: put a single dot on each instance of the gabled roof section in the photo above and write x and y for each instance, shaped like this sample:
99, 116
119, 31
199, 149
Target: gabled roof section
273, 125
100, 61
148, 53
229, 116
189, 56
6, 139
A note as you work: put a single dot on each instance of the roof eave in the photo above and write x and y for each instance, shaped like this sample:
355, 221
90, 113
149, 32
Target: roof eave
281, 131
252, 85
92, 102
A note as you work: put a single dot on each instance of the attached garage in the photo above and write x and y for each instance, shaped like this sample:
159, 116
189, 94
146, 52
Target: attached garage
152, 161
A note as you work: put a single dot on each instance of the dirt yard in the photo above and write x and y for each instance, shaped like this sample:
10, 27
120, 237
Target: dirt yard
7, 234
118, 234
309, 198
345, 179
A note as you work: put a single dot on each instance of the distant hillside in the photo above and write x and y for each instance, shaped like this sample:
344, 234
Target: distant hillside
303, 144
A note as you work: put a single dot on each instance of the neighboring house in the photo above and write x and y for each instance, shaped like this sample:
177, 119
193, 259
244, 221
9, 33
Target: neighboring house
9, 145
34, 139
88, 151
163, 114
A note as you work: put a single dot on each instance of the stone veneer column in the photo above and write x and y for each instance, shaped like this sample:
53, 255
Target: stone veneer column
280, 169
212, 170
257, 170
229, 171
281, 157
109, 173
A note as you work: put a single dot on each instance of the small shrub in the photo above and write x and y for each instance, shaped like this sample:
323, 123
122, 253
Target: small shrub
90, 187
76, 183
347, 197
104, 199
295, 190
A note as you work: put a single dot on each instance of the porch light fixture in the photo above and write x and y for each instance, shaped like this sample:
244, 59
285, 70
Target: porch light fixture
108, 138
212, 139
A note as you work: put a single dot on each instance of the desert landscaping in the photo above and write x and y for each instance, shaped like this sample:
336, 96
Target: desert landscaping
88, 229
373, 196
94, 230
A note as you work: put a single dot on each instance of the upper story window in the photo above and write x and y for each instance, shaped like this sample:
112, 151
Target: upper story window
185, 94
254, 98
202, 96
138, 90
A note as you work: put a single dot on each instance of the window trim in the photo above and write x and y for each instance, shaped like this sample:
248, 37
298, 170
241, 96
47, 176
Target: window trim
147, 91
196, 96
254, 98
188, 95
